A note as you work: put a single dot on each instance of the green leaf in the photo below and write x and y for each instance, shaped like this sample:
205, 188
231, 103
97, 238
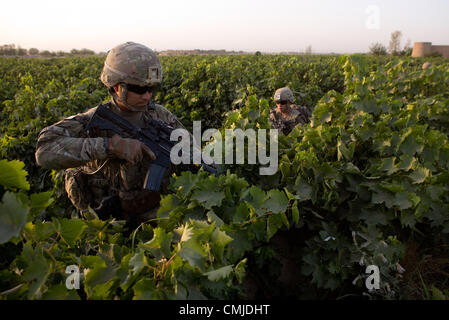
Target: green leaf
13, 217
437, 294
138, 262
208, 198
349, 167
37, 270
368, 106
388, 165
60, 292
235, 183
202, 230
240, 270
407, 162
221, 273
274, 222
392, 187
40, 201
12, 174
414, 198
277, 202
253, 114
285, 220
219, 240
72, 229
410, 147
187, 233
185, 183
98, 273
402, 200
408, 219
366, 133
145, 289
436, 213
345, 152
241, 214
127, 279
194, 253
304, 191
319, 276
237, 247
212, 217
295, 212
373, 217
160, 244
435, 192
255, 198
91, 262
419, 175
168, 204
380, 196
101, 291
194, 293
44, 230
257, 194
290, 196
259, 229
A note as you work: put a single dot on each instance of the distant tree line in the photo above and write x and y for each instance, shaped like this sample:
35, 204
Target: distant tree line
394, 47
12, 50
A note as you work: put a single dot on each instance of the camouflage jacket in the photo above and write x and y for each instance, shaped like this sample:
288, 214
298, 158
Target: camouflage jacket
91, 174
299, 115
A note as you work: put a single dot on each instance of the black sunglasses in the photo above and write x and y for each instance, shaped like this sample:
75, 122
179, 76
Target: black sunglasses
281, 102
141, 90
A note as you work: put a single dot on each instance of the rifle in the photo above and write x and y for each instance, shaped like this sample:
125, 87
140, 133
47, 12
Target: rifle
156, 137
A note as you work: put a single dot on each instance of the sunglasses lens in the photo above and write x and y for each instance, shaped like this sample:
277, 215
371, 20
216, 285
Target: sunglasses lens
141, 90
281, 102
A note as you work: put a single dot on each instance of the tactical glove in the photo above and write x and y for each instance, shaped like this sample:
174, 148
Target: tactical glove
131, 150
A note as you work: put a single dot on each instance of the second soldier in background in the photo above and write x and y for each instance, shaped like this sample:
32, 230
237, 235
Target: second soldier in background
287, 115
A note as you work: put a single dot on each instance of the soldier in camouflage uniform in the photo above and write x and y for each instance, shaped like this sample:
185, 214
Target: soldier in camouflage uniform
104, 170
287, 115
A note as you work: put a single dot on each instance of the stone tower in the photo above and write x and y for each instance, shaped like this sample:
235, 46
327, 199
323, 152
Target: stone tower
421, 49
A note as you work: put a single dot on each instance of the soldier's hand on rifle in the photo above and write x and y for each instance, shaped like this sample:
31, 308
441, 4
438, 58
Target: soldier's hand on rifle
130, 150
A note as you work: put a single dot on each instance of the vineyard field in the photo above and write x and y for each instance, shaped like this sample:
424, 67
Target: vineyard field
365, 183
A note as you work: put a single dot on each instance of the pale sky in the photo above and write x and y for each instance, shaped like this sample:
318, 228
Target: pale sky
344, 26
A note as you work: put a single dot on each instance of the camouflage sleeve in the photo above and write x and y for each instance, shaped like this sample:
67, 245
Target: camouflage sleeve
304, 115
272, 119
161, 113
66, 145
166, 116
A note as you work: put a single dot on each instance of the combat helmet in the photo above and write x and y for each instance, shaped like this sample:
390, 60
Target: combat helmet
130, 63
284, 94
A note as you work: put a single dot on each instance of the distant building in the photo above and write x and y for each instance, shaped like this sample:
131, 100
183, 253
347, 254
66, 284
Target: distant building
422, 49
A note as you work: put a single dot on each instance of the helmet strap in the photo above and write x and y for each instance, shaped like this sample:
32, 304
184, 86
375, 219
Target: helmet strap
122, 98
